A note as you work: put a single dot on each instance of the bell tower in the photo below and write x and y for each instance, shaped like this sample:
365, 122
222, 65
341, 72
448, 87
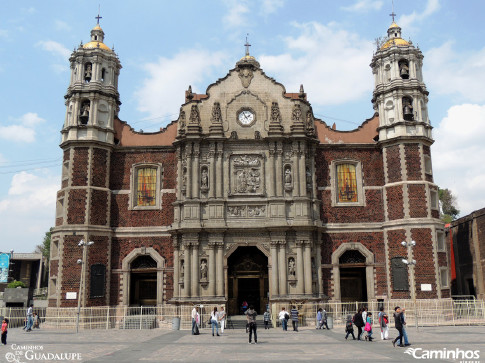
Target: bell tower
83, 202
412, 226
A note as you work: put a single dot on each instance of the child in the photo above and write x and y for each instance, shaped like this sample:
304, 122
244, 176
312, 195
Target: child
349, 327
368, 327
4, 331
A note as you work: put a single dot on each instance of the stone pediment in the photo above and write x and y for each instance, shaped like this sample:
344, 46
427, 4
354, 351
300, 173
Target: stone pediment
247, 104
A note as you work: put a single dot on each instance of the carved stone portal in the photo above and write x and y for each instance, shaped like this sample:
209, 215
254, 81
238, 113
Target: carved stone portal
246, 172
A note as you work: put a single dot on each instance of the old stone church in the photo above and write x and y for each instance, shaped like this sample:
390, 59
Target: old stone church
247, 196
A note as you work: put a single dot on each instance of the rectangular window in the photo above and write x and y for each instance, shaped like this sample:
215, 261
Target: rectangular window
347, 183
434, 199
146, 181
399, 274
440, 236
444, 278
98, 277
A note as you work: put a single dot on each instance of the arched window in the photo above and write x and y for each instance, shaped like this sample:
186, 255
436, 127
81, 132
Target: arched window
347, 183
404, 69
88, 72
407, 108
146, 185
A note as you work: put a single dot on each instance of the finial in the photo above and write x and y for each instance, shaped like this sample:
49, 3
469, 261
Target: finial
392, 14
98, 17
247, 45
301, 89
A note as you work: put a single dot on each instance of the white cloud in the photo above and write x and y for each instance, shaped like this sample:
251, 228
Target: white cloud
458, 155
331, 63
407, 21
236, 14
451, 72
270, 6
364, 6
28, 211
24, 128
163, 91
55, 48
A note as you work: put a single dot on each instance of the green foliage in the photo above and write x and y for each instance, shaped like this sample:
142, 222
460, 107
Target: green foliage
448, 206
14, 284
45, 247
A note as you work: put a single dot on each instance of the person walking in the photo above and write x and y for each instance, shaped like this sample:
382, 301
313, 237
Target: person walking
319, 318
368, 327
194, 315
398, 323
283, 316
324, 319
266, 319
404, 332
383, 323
294, 318
349, 327
30, 320
222, 319
359, 323
251, 318
4, 331
215, 321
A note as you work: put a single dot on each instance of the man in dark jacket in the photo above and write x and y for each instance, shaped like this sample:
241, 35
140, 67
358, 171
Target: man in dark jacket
359, 323
398, 323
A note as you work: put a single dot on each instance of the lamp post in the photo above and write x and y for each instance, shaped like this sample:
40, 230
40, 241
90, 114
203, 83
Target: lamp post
81, 262
412, 263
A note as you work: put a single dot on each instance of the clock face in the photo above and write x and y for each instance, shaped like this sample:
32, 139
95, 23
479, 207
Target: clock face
246, 117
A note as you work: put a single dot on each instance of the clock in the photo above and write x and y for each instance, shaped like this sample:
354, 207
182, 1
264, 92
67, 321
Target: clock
246, 117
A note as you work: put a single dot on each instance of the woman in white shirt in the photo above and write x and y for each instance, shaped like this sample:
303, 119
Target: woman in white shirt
282, 316
214, 319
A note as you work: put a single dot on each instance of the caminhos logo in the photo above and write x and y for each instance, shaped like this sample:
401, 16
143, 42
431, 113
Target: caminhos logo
464, 356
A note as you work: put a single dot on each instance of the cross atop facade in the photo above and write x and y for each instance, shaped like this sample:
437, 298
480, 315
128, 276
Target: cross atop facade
393, 14
98, 17
247, 45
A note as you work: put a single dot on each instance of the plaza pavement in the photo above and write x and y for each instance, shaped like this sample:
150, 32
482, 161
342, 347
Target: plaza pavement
307, 345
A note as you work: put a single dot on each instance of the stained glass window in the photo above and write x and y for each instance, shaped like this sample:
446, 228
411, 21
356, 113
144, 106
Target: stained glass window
347, 183
146, 187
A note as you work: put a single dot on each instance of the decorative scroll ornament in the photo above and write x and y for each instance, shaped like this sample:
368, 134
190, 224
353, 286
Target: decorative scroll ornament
216, 113
275, 113
194, 115
246, 75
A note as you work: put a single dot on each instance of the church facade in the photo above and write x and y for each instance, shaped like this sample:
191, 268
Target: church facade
246, 196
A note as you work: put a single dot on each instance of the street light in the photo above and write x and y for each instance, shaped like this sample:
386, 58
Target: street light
412, 263
81, 262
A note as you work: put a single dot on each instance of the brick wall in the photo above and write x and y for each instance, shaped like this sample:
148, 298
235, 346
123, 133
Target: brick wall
97, 254
413, 161
76, 206
71, 271
99, 207
393, 157
418, 203
80, 167
395, 237
395, 202
424, 269
99, 167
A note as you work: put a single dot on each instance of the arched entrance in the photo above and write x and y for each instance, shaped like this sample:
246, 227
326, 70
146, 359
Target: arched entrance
353, 286
247, 278
143, 282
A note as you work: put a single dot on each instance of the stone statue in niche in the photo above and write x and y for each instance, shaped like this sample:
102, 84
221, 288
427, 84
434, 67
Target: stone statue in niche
216, 113
246, 75
275, 113
204, 179
291, 268
288, 176
194, 115
296, 115
308, 177
182, 121
203, 270
88, 72
182, 269
233, 135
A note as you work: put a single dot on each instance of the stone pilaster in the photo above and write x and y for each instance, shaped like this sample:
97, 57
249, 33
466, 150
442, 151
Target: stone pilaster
274, 269
283, 268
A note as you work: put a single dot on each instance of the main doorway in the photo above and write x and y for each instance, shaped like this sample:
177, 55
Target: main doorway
143, 281
353, 282
247, 278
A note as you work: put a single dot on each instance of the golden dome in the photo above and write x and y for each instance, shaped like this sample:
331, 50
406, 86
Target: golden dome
394, 25
96, 45
97, 27
248, 58
395, 41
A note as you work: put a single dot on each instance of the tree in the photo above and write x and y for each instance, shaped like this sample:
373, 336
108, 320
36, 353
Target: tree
448, 206
45, 247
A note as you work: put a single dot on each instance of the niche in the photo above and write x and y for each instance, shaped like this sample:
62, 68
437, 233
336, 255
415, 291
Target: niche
88, 72
404, 69
84, 116
407, 108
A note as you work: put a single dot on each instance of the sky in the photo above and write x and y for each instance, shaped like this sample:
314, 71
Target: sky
165, 46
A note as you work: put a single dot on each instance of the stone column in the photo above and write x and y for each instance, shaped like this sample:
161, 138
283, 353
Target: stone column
195, 269
279, 171
299, 268
180, 173
274, 269
283, 267
188, 185
301, 169
195, 172
307, 267
176, 269
219, 181
212, 172
296, 169
318, 266
220, 270
187, 270
270, 173
212, 269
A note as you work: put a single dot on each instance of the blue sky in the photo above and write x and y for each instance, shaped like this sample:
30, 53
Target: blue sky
166, 45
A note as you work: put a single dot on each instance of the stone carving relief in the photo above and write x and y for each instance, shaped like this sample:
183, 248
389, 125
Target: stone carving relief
309, 122
296, 115
184, 180
182, 270
275, 113
247, 174
246, 75
308, 178
291, 269
256, 211
288, 178
216, 113
203, 270
204, 179
236, 211
182, 122
194, 115
247, 211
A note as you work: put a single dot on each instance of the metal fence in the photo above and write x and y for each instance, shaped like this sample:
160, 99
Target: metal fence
167, 316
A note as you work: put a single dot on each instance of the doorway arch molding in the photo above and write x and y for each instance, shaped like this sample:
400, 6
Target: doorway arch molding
126, 275
369, 268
